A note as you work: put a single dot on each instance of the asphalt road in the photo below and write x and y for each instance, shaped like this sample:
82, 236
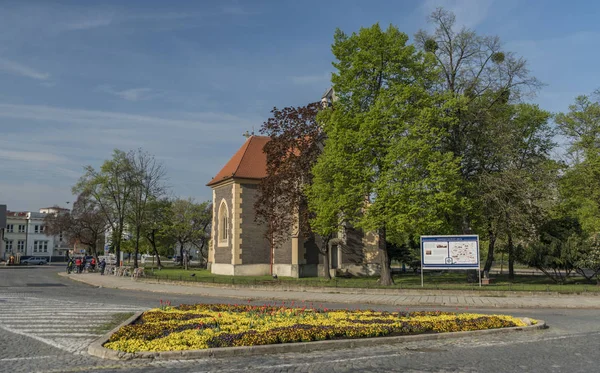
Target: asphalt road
47, 321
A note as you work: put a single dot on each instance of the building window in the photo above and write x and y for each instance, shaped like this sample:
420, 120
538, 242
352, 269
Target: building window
21, 246
40, 246
9, 246
223, 224
10, 228
36, 229
21, 228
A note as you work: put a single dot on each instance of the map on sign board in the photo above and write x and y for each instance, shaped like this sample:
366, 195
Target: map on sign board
463, 252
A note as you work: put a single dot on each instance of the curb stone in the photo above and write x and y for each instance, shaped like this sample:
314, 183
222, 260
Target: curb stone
97, 349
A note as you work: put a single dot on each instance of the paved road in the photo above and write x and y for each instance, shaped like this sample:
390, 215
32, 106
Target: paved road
571, 344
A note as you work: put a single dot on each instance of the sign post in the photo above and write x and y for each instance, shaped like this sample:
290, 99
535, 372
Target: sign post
450, 252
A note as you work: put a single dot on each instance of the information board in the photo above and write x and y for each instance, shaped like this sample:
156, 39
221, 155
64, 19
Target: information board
450, 252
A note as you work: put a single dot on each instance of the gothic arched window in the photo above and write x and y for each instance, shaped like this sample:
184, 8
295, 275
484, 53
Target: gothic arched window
223, 233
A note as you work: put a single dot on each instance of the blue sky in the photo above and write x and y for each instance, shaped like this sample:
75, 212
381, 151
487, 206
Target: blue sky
185, 79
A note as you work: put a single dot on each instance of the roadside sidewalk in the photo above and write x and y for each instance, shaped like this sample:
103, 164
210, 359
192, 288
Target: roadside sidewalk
397, 298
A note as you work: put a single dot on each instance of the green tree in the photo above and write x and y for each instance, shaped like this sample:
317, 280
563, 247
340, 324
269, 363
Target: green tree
517, 190
383, 137
147, 184
111, 189
325, 202
490, 134
558, 249
190, 224
581, 183
85, 224
155, 227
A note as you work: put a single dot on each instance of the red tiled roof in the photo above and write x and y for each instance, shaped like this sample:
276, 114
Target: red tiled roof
250, 162
16, 213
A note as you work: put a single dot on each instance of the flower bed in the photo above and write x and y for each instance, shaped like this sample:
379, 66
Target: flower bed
201, 326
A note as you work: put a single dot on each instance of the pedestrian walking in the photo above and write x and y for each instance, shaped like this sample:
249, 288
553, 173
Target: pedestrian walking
78, 265
102, 265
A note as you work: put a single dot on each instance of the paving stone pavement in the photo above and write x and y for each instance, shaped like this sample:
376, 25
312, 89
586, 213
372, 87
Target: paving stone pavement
398, 298
69, 326
571, 344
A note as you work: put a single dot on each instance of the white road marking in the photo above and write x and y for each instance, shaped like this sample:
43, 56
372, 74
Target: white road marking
67, 325
28, 358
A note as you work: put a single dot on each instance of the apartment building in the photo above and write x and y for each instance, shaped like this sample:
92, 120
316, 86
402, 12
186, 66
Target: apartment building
24, 234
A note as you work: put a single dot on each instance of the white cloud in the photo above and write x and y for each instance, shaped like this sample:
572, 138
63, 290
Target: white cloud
29, 156
22, 70
132, 94
469, 13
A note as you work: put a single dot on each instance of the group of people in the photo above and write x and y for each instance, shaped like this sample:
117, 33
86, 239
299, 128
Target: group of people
79, 264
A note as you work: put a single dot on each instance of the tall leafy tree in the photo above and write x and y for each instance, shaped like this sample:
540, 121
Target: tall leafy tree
518, 189
85, 224
156, 227
486, 82
581, 184
391, 174
111, 189
190, 224
147, 184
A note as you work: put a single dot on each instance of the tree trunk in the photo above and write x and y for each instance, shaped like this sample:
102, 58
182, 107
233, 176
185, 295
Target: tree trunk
490, 257
136, 250
152, 238
511, 257
117, 239
117, 246
386, 272
181, 254
326, 264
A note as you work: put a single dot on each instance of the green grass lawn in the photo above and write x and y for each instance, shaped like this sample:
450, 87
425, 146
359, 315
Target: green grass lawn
433, 280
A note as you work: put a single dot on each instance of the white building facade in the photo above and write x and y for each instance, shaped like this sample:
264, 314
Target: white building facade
24, 235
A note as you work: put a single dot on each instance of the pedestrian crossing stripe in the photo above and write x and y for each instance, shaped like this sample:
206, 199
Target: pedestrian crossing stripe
68, 325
